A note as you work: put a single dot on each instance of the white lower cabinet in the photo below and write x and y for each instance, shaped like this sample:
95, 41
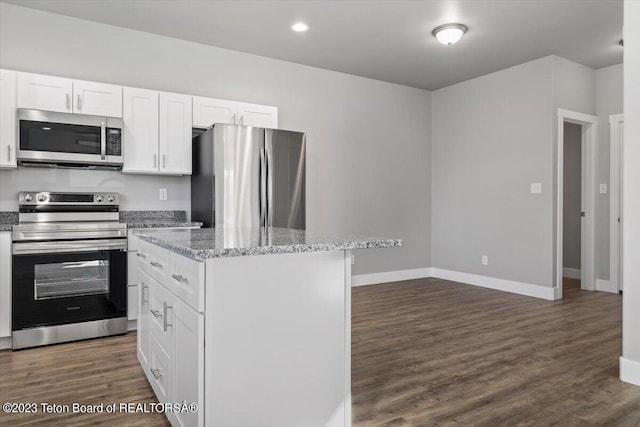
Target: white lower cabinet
171, 347
5, 284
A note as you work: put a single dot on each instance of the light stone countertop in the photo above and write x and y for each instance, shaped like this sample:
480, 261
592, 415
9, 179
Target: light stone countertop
202, 244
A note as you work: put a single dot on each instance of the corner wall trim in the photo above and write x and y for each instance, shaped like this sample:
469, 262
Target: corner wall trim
571, 273
630, 371
389, 276
606, 286
537, 291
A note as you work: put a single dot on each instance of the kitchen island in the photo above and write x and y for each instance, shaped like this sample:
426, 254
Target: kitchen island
251, 324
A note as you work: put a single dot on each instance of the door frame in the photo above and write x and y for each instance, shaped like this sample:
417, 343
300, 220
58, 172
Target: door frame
589, 125
615, 201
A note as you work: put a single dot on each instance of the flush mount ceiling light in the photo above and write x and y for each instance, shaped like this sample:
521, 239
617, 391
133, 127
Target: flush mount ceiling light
299, 27
448, 34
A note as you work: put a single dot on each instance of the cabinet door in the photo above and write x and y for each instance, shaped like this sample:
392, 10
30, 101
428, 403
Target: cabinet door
44, 92
207, 111
140, 117
132, 302
7, 119
188, 366
97, 99
160, 375
5, 284
262, 116
175, 134
143, 320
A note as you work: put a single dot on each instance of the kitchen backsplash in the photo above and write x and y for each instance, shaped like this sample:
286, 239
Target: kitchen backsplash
138, 192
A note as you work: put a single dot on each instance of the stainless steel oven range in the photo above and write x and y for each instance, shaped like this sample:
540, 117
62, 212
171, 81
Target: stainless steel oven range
69, 268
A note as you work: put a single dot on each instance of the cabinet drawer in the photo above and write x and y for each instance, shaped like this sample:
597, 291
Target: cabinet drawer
161, 308
158, 267
160, 375
186, 280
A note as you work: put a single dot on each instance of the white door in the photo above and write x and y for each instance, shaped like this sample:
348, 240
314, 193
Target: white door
262, 116
48, 93
143, 319
616, 139
97, 99
188, 366
175, 133
140, 117
207, 111
7, 119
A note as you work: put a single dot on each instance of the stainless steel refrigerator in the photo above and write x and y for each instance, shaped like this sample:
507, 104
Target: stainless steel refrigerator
248, 177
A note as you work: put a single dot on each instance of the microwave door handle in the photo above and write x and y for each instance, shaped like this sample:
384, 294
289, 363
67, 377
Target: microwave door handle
103, 140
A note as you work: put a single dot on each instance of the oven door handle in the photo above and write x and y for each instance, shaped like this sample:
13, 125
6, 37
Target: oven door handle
71, 246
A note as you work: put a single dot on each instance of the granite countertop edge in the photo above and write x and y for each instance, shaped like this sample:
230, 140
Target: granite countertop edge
202, 255
160, 224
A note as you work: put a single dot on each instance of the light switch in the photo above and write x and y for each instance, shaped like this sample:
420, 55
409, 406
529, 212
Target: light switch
603, 188
536, 187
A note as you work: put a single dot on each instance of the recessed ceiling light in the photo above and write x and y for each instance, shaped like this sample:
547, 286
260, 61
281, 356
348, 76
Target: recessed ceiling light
448, 34
299, 27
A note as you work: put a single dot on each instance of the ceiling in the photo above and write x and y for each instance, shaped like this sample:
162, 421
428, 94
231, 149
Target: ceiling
383, 40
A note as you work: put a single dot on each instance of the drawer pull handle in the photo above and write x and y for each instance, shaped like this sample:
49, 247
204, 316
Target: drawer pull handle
166, 324
156, 265
156, 313
180, 278
141, 255
156, 373
144, 300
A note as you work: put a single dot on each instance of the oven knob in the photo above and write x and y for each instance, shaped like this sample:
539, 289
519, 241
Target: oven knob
99, 199
110, 199
28, 197
42, 198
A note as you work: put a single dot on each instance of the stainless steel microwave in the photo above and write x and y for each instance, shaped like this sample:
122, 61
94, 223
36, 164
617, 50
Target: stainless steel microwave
69, 140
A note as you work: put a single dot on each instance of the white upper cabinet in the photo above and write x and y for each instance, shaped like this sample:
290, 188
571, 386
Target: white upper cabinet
62, 95
140, 117
48, 93
207, 111
7, 119
175, 133
263, 116
97, 99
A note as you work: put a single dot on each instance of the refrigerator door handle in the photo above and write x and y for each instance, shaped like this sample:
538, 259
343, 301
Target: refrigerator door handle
263, 188
268, 148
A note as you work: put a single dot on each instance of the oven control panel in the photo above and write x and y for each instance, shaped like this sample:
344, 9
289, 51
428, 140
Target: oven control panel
68, 199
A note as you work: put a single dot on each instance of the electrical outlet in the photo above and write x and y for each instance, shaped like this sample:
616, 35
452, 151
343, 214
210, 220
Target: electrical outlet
353, 259
163, 194
485, 260
603, 188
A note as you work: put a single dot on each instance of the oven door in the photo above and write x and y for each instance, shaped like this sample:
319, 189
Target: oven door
68, 282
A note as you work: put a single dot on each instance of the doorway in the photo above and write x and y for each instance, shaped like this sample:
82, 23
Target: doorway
575, 204
616, 130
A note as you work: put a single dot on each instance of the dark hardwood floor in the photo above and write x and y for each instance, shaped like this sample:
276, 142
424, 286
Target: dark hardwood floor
425, 353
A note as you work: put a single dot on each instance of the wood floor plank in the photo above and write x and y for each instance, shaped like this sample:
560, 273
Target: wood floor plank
425, 352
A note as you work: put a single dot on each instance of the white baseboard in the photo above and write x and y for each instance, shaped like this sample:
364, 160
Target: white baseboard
605, 286
571, 273
132, 325
630, 371
5, 343
389, 276
520, 288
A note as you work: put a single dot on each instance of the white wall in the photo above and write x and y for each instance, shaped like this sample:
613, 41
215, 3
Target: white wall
492, 138
572, 203
368, 141
137, 192
630, 362
608, 102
